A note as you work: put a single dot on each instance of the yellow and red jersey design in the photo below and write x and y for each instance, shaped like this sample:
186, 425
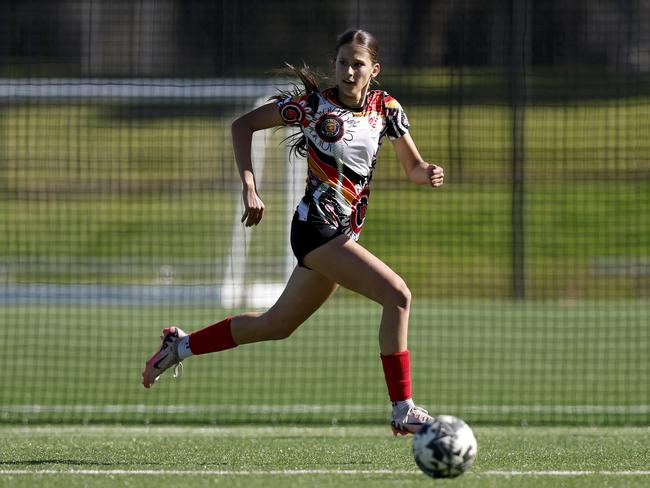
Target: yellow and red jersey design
342, 148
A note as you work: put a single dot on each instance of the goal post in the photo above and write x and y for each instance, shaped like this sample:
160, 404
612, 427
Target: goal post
231, 284
237, 289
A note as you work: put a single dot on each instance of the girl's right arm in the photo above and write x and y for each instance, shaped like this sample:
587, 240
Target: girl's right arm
264, 117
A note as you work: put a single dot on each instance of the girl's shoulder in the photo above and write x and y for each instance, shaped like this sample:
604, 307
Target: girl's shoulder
390, 101
328, 94
381, 100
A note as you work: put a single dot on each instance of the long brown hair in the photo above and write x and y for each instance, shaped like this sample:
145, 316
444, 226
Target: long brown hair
362, 38
311, 81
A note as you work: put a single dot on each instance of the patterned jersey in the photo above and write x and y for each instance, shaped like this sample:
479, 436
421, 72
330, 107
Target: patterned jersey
342, 148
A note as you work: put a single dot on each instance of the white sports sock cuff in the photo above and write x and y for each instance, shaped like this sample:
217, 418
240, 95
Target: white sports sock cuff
403, 405
184, 350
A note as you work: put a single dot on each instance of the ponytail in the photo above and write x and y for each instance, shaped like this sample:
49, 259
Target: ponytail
309, 79
297, 142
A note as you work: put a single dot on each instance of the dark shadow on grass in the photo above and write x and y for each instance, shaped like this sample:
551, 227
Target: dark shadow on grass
65, 462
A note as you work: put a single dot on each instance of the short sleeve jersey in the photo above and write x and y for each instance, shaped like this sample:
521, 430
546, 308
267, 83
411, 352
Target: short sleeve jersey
342, 148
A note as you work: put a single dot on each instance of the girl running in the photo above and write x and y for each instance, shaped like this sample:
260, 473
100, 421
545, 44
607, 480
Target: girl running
341, 131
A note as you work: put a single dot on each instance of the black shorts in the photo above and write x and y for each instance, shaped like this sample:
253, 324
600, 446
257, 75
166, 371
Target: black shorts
307, 236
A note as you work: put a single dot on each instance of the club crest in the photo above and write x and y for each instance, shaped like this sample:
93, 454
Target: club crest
330, 127
293, 113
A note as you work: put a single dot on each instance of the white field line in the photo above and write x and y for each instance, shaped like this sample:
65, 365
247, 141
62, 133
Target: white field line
310, 409
567, 473
299, 472
238, 431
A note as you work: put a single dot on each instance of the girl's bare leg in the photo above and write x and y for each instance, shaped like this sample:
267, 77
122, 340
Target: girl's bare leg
349, 264
304, 293
345, 262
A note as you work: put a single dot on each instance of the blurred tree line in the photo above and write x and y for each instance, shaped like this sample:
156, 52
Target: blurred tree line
236, 38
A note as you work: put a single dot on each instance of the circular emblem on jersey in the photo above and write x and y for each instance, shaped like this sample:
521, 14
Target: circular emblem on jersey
292, 113
359, 207
330, 127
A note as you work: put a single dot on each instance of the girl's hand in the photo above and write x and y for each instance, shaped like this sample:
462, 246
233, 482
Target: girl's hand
436, 175
417, 169
253, 207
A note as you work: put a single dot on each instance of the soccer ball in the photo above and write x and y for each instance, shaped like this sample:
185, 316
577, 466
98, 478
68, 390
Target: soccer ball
445, 448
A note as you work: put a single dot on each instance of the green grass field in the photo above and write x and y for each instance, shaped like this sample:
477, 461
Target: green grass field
567, 227
537, 457
556, 386
490, 362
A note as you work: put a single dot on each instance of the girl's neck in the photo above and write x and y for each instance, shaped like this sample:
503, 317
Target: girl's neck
351, 103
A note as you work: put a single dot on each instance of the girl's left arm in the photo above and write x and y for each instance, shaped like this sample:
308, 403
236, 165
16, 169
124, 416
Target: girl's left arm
416, 168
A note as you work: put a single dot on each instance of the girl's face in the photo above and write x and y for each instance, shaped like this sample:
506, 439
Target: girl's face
354, 70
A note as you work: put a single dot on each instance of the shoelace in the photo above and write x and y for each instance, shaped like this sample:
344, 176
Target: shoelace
177, 372
419, 410
414, 413
420, 414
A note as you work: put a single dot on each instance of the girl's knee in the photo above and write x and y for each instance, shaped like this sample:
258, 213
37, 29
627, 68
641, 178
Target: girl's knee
403, 294
399, 294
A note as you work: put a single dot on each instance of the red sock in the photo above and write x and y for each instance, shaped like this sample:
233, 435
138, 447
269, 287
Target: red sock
397, 371
212, 338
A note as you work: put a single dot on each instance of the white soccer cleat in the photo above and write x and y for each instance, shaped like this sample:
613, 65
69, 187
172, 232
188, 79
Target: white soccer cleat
166, 357
410, 421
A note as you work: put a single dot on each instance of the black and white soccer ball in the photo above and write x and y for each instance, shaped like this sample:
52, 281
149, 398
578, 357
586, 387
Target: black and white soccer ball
445, 447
